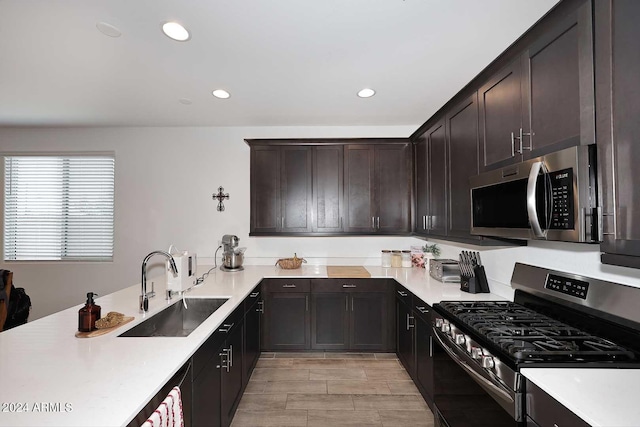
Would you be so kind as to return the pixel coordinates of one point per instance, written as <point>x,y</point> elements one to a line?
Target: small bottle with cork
<point>88,314</point>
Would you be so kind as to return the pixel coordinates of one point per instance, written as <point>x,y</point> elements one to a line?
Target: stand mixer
<point>232,255</point>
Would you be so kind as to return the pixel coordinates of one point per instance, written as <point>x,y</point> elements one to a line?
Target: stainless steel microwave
<point>551,197</point>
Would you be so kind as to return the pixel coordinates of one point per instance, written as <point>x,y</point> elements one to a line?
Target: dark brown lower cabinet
<point>231,373</point>
<point>252,332</point>
<point>207,394</point>
<point>368,321</point>
<point>287,319</point>
<point>329,321</point>
<point>404,334</point>
<point>423,351</point>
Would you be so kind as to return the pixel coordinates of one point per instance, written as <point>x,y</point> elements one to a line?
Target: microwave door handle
<point>531,199</point>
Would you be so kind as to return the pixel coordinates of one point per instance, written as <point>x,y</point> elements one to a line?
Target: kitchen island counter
<point>51,378</point>
<point>600,397</point>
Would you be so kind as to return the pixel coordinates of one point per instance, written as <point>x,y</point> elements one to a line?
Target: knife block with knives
<point>472,275</point>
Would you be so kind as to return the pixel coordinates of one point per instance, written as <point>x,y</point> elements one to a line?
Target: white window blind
<point>58,208</point>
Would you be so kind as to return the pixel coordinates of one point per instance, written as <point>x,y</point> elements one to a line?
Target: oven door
<point>465,395</point>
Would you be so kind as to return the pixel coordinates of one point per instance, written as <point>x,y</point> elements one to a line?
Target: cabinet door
<point>462,137</point>
<point>560,85</point>
<point>424,357</point>
<point>295,189</point>
<point>368,324</point>
<point>327,189</point>
<point>206,395</point>
<point>251,351</point>
<point>404,336</point>
<point>358,188</point>
<point>437,218</point>
<point>393,188</point>
<point>501,116</point>
<point>231,376</point>
<point>422,183</point>
<point>618,109</point>
<point>287,321</point>
<point>330,320</point>
<point>265,189</point>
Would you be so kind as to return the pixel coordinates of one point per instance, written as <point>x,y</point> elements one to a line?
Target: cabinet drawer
<point>548,412</point>
<point>349,285</point>
<point>286,285</point>
<point>402,294</point>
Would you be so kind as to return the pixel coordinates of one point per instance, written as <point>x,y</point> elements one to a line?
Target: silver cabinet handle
<point>255,294</point>
<point>402,294</point>
<point>422,309</point>
<point>522,135</point>
<point>409,325</point>
<point>513,145</point>
<point>226,327</point>
<point>230,355</point>
<point>352,303</point>
<point>224,363</point>
<point>282,222</point>
<point>373,222</point>
<point>346,285</point>
<point>378,223</point>
<point>260,308</point>
<point>289,285</point>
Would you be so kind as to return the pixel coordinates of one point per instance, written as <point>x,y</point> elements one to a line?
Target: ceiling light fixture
<point>221,93</point>
<point>366,93</point>
<point>108,29</point>
<point>175,31</point>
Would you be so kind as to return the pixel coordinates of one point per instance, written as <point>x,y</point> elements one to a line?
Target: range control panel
<point>562,185</point>
<point>568,286</point>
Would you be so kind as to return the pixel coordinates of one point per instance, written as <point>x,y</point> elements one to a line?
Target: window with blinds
<point>58,208</point>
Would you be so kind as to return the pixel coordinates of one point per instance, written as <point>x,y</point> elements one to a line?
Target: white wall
<point>164,181</point>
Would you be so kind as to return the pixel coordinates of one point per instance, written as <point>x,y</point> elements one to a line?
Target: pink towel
<point>169,413</point>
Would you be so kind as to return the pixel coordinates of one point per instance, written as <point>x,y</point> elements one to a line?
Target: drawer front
<point>286,285</point>
<point>349,285</point>
<point>548,412</point>
<point>402,294</point>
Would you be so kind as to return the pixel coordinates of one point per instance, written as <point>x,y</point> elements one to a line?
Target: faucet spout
<point>144,296</point>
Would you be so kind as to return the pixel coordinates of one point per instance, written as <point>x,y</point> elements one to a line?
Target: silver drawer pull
<point>402,294</point>
<point>255,294</point>
<point>422,309</point>
<point>226,328</point>
<point>289,286</point>
<point>348,286</point>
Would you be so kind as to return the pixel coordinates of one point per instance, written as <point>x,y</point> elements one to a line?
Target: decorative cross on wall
<point>220,197</point>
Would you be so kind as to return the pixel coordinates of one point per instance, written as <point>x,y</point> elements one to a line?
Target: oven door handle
<point>495,389</point>
<point>532,185</point>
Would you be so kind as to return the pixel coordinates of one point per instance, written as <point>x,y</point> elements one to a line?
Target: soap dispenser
<point>88,314</point>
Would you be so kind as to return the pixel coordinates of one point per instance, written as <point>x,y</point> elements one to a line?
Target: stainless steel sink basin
<point>175,320</point>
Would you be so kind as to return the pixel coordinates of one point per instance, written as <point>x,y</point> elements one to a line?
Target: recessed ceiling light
<point>108,29</point>
<point>366,93</point>
<point>185,101</point>
<point>175,31</point>
<point>220,93</point>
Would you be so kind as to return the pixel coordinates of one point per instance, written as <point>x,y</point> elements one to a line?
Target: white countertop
<point>106,380</point>
<point>601,397</point>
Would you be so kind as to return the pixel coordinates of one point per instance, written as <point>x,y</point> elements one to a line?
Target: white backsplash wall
<point>165,178</point>
<point>577,258</point>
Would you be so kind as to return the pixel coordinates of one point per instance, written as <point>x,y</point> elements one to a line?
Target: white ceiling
<point>285,62</point>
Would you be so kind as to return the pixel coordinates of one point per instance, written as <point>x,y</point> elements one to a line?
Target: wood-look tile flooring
<point>331,389</point>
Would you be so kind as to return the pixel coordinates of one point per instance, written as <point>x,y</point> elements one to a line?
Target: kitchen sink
<point>175,320</point>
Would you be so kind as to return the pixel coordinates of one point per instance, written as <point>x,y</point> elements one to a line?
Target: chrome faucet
<point>144,297</point>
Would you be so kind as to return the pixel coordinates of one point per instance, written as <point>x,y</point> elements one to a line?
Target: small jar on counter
<point>385,260</point>
<point>396,259</point>
<point>406,259</point>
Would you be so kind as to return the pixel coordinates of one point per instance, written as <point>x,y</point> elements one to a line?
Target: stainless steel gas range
<point>557,319</point>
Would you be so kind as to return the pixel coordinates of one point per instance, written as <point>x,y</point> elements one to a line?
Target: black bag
<point>18,308</point>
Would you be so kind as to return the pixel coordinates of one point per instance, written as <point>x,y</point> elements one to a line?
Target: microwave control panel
<point>562,185</point>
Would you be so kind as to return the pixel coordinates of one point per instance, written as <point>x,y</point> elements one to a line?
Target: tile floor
<point>331,389</point>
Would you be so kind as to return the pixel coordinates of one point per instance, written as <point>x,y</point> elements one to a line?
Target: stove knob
<point>476,353</point>
<point>438,322</point>
<point>445,326</point>
<point>487,362</point>
<point>460,340</point>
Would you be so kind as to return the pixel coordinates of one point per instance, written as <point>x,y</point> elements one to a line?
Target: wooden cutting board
<point>347,272</point>
<point>99,332</point>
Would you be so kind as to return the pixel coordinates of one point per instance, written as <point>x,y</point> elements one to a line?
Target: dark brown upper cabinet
<point>330,187</point>
<point>618,108</point>
<point>431,181</point>
<point>462,144</point>
<point>281,189</point>
<point>377,188</point>
<point>542,100</point>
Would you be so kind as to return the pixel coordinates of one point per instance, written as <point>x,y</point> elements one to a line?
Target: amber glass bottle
<point>88,314</point>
